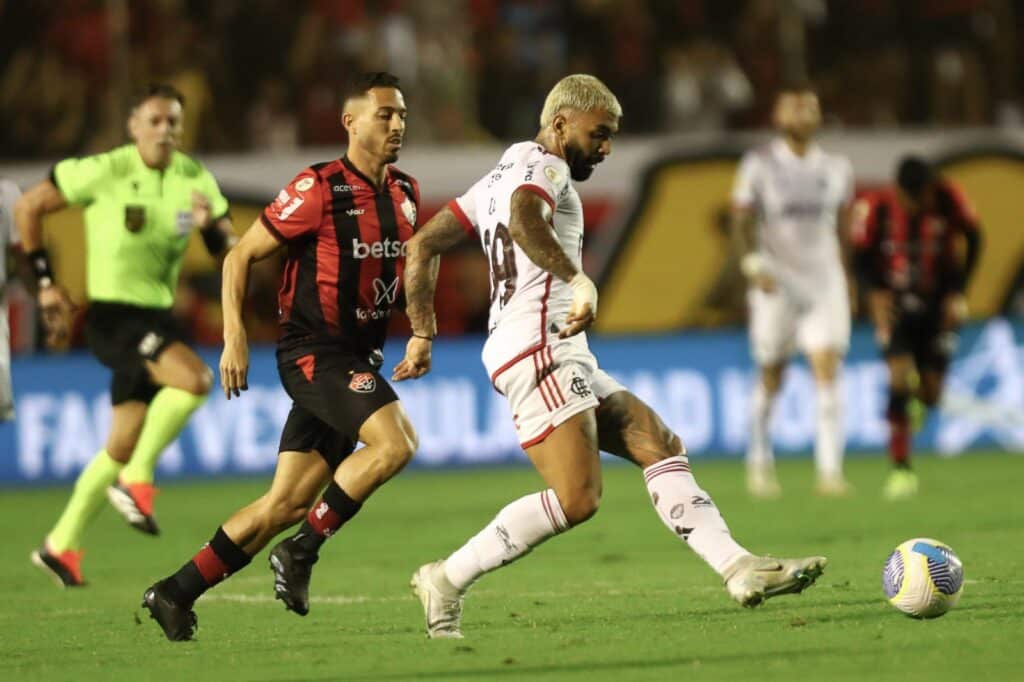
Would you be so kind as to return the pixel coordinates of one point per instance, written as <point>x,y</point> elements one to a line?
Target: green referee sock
<point>86,499</point>
<point>165,419</point>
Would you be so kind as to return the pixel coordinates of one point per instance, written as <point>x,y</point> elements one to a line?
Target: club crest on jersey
<point>362,382</point>
<point>134,217</point>
<point>409,210</point>
<point>553,174</point>
<point>304,184</point>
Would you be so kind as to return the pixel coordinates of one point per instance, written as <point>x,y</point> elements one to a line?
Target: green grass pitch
<point>618,599</point>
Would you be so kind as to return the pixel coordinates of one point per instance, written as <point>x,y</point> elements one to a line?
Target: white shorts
<point>781,323</point>
<point>546,388</point>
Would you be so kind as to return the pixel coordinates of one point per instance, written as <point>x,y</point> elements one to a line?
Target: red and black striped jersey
<point>346,253</point>
<point>920,253</point>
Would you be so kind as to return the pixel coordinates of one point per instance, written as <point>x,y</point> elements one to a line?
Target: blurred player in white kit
<point>9,193</point>
<point>790,219</point>
<point>528,217</point>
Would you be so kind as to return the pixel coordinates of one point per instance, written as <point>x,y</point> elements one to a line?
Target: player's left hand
<point>954,311</point>
<point>583,310</point>
<point>200,210</point>
<point>416,362</point>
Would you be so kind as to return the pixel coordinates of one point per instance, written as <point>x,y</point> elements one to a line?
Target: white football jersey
<point>9,193</point>
<point>528,304</point>
<point>796,200</point>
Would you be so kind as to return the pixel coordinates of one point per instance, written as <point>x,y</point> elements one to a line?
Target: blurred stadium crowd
<point>261,73</point>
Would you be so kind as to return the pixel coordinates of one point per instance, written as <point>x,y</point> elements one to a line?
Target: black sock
<point>219,558</point>
<point>333,510</point>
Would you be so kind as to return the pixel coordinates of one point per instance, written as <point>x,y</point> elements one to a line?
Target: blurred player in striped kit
<point>917,246</point>
<point>797,196</point>
<point>9,193</point>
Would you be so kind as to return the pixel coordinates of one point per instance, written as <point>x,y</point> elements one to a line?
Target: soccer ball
<point>923,578</point>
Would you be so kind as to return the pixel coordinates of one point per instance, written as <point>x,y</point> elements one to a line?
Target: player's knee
<point>393,454</point>
<point>120,449</point>
<point>580,505</point>
<point>771,380</point>
<point>199,382</point>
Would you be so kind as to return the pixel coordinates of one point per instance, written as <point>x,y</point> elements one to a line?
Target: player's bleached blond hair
<point>581,92</point>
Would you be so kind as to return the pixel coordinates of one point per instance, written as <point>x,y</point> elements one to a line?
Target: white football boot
<point>442,601</point>
<point>753,579</point>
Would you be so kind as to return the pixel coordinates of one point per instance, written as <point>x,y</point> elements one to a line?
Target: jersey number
<point>503,263</point>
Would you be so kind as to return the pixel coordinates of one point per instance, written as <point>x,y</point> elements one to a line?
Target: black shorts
<point>123,337</point>
<point>334,392</point>
<point>920,334</point>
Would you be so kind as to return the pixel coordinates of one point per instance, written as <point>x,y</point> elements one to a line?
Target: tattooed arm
<point>422,261</point>
<point>530,227</point>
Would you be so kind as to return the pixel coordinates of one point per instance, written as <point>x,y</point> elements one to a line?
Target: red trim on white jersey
<point>543,333</point>
<point>539,191</point>
<point>467,224</point>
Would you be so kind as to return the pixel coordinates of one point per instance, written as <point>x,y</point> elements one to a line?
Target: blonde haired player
<point>798,197</point>
<point>528,217</point>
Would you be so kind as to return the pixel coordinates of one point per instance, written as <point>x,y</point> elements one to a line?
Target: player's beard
<point>580,165</point>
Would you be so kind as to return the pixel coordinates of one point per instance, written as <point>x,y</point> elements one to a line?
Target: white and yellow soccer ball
<point>923,578</point>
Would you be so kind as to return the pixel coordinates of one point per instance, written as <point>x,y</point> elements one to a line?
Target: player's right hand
<point>57,311</point>
<point>757,271</point>
<point>583,310</point>
<point>416,362</point>
<point>234,366</point>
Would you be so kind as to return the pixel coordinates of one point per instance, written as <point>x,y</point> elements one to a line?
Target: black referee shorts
<point>123,337</point>
<point>334,392</point>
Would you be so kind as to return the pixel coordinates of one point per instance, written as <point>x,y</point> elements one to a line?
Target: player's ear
<point>347,120</point>
<point>131,126</point>
<point>560,123</point>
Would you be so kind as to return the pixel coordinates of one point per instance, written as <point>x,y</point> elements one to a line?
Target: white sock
<point>830,441</point>
<point>518,528</point>
<point>689,512</point>
<point>759,449</point>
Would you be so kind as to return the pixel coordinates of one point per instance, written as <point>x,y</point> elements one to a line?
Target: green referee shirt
<point>137,221</point>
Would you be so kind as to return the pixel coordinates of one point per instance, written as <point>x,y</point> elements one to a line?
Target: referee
<point>141,203</point>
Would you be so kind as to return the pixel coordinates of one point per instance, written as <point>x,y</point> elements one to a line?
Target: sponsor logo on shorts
<point>363,382</point>
<point>321,510</point>
<point>149,343</point>
<point>700,501</point>
<point>579,387</point>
